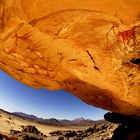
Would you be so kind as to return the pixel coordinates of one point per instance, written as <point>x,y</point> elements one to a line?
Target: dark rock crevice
<point>95,67</point>
<point>136,61</point>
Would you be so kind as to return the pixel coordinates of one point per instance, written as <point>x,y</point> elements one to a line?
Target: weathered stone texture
<point>89,48</point>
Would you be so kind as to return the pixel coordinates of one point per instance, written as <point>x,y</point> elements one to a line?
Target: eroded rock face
<point>89,48</point>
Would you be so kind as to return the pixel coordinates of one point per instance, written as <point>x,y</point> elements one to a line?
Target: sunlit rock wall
<point>89,48</point>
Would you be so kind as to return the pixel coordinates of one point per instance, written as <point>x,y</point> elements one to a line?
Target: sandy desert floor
<point>12,126</point>
<point>9,121</point>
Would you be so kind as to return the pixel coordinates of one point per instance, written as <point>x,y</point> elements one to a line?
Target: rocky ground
<point>97,132</point>
<point>28,132</point>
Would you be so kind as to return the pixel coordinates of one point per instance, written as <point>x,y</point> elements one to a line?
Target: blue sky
<point>16,97</point>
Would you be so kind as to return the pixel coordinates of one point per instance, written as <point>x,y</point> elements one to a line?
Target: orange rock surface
<point>90,48</point>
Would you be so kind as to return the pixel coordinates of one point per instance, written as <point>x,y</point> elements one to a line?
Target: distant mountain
<point>51,121</point>
<point>82,121</point>
<point>78,120</point>
<point>54,121</point>
<point>24,115</point>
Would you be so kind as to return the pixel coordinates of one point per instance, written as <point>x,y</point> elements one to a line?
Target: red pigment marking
<point>129,34</point>
<point>111,29</point>
<point>114,26</point>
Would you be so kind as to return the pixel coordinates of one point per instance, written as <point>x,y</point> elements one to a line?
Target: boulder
<point>88,48</point>
<point>28,133</point>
